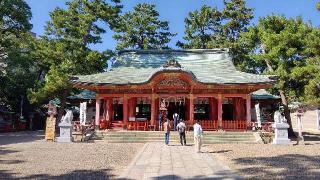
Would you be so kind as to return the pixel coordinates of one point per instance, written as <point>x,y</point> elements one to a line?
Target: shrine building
<point>197,84</point>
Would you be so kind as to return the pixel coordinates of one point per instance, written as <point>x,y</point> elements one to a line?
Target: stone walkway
<point>158,161</point>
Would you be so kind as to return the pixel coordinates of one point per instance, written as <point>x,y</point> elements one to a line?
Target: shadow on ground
<point>311,136</point>
<point>20,137</point>
<point>218,176</point>
<point>77,174</point>
<point>288,166</point>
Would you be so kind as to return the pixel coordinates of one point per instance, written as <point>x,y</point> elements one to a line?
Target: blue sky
<point>175,11</point>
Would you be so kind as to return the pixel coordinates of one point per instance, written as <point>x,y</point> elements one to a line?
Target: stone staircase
<point>156,136</point>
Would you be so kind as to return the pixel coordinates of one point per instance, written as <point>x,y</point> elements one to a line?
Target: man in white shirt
<point>197,134</point>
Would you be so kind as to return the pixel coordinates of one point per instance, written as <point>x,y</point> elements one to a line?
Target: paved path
<point>158,161</point>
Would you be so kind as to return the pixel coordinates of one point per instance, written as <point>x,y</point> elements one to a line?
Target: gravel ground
<point>268,161</point>
<point>35,158</point>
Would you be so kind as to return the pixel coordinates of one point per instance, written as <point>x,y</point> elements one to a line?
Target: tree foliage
<point>16,63</point>
<point>289,49</point>
<point>65,50</point>
<point>142,29</point>
<point>15,16</point>
<point>203,29</point>
<point>211,28</point>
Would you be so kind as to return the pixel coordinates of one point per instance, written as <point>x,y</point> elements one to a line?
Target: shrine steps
<point>156,136</point>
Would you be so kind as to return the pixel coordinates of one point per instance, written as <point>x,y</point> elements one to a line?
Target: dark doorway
<point>143,111</point>
<point>227,110</point>
<point>179,108</point>
<point>118,112</point>
<point>201,111</point>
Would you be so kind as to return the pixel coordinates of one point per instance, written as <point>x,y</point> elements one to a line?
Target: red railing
<point>211,125</point>
<point>234,124</point>
<point>138,125</point>
<point>208,125</point>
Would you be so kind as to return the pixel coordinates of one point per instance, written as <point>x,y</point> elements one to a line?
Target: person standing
<point>197,134</point>
<point>175,120</point>
<point>166,128</point>
<point>160,116</point>
<point>182,132</point>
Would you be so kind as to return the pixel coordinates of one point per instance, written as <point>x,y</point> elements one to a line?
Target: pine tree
<point>288,50</point>
<point>203,29</point>
<point>210,28</point>
<point>65,50</point>
<point>142,29</point>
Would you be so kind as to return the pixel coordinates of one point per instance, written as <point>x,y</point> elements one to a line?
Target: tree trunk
<point>287,113</point>
<point>63,105</point>
<point>86,36</point>
<point>284,102</point>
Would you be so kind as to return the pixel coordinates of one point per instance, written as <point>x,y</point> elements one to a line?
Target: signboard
<point>50,128</point>
<point>83,113</point>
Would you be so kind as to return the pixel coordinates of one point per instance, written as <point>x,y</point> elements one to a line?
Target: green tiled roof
<point>263,94</point>
<point>84,94</point>
<point>206,66</point>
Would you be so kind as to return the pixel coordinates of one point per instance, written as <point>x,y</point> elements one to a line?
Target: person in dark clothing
<point>182,132</point>
<point>160,117</point>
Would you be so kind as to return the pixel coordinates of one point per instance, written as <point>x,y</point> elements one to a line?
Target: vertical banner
<point>258,114</point>
<point>83,113</point>
<point>50,128</point>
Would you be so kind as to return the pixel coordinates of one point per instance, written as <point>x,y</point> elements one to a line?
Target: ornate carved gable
<point>172,82</point>
<point>172,63</point>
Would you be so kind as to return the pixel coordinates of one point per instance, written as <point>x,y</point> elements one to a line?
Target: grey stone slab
<point>165,162</point>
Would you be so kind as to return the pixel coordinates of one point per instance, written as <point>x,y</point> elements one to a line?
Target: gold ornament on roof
<point>172,63</point>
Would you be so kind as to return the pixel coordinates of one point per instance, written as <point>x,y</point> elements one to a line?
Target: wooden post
<point>219,110</point>
<point>248,105</point>
<point>98,103</point>
<point>125,111</point>
<point>153,109</point>
<point>191,106</point>
<point>211,112</point>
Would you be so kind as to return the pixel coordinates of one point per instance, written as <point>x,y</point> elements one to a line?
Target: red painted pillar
<point>213,109</point>
<point>191,109</point>
<point>248,110</point>
<point>153,109</point>
<point>220,110</point>
<point>98,103</point>
<point>125,111</point>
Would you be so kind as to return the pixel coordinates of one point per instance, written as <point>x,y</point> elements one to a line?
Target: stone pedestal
<point>65,132</point>
<point>281,133</point>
